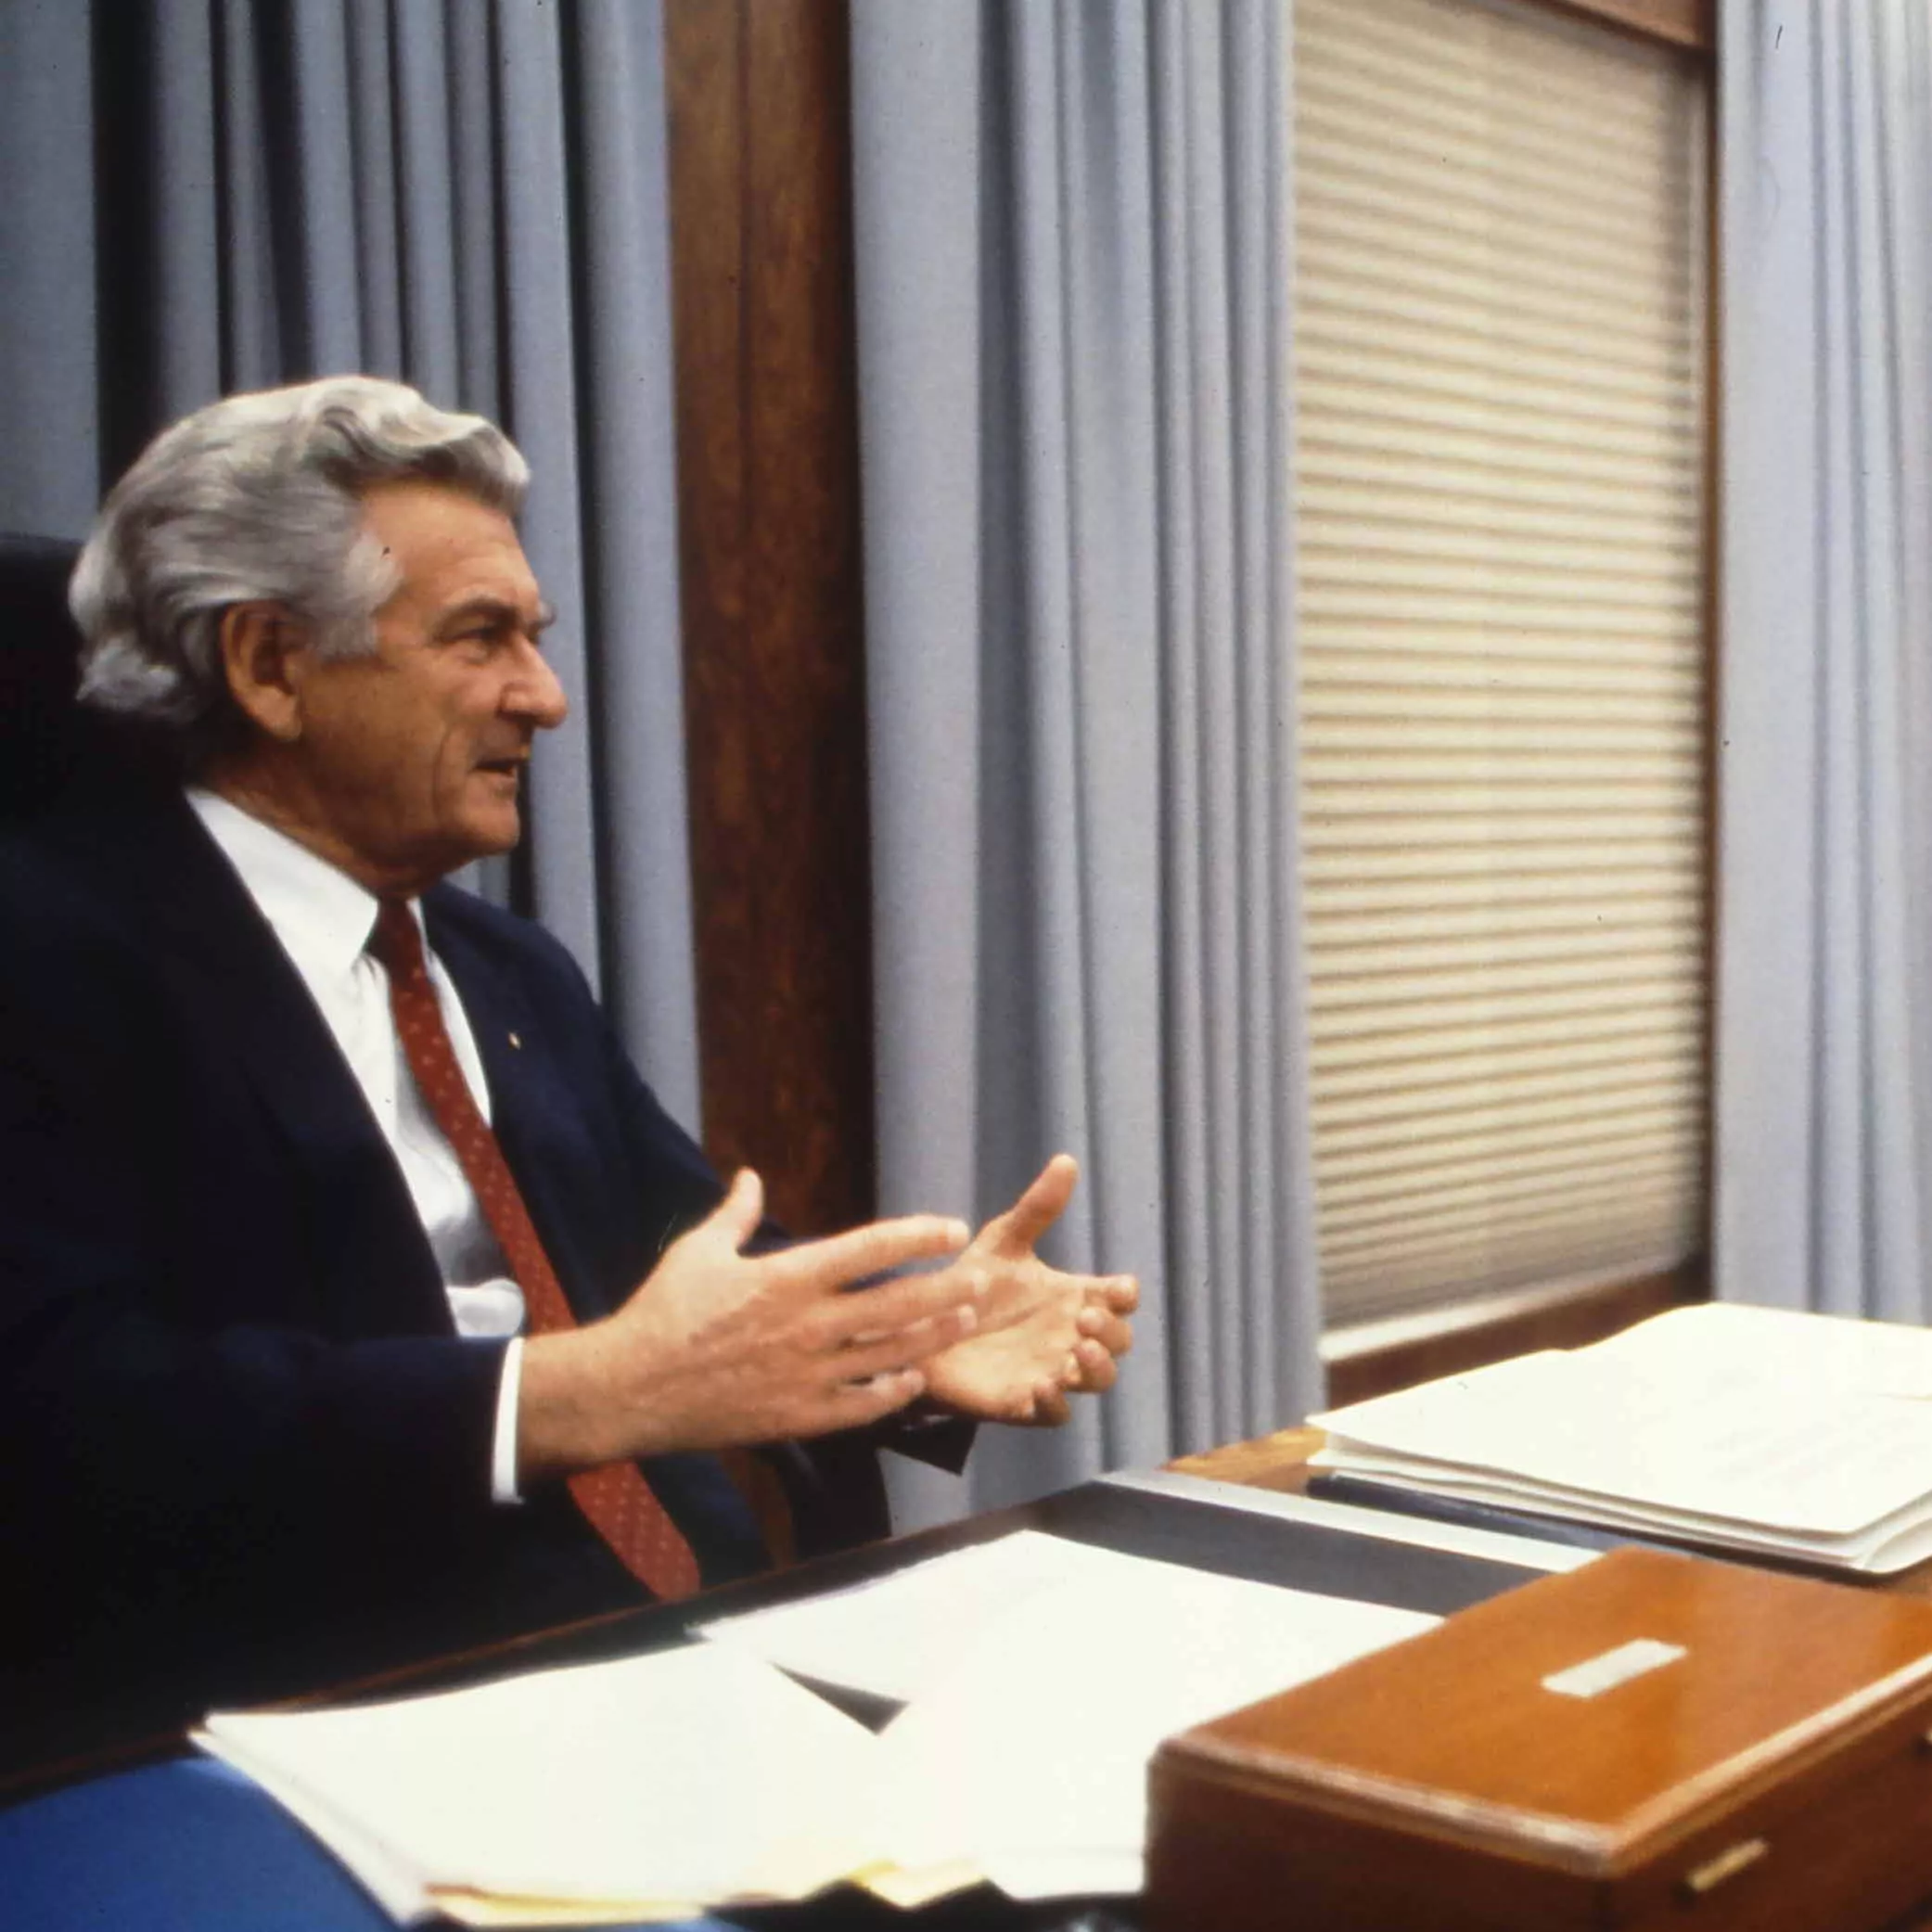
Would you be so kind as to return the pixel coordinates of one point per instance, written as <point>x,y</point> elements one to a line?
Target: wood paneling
<point>768,496</point>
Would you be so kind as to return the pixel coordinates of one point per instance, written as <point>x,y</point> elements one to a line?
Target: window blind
<point>1500,318</point>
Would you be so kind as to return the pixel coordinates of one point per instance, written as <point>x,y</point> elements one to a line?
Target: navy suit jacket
<point>242,1452</point>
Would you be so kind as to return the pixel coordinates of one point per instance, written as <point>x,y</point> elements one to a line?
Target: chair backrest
<point>42,730</point>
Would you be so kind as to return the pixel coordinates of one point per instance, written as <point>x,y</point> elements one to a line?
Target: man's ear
<point>265,655</point>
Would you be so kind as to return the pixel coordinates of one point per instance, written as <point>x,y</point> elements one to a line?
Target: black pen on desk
<point>1325,1486</point>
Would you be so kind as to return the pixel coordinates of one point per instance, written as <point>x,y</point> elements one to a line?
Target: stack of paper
<point>1043,1674</point>
<point>1748,1428</point>
<point>637,1789</point>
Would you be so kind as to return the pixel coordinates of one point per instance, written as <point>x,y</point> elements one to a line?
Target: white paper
<point>695,1773</point>
<point>1028,1756</point>
<point>1047,1672</point>
<point>1758,1429</point>
<point>1723,1346</point>
<point>898,1635</point>
<point>1068,1874</point>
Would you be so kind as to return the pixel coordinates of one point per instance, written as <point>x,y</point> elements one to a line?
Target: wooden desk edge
<point>1276,1461</point>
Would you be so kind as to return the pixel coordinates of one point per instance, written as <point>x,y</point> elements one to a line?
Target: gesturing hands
<point>719,1348</point>
<point>1041,1334</point>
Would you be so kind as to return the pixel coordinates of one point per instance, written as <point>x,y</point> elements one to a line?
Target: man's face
<point>413,755</point>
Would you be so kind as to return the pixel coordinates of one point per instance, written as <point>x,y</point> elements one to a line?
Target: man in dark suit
<point>305,1151</point>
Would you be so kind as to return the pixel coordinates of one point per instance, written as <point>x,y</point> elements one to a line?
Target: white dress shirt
<point>323,919</point>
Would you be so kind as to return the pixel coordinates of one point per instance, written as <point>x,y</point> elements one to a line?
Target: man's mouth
<point>510,768</point>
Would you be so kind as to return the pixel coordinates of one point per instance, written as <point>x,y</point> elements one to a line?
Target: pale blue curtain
<point>200,196</point>
<point>1072,234</point>
<point>1823,1067</point>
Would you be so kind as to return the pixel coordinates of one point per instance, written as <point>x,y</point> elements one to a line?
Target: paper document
<point>896,1637</point>
<point>1751,1428</point>
<point>657,1785</point>
<point>692,1774</point>
<point>1727,1346</point>
<point>1029,1755</point>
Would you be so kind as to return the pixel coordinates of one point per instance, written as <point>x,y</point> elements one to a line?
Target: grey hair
<point>258,498</point>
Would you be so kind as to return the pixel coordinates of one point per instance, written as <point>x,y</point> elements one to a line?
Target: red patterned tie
<point>617,1500</point>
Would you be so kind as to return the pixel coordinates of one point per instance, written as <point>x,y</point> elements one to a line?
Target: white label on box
<point>1597,1674</point>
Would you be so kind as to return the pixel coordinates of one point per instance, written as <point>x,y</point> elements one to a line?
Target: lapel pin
<point>515,1041</point>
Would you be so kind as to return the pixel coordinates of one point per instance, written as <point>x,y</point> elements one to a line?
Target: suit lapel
<point>498,1015</point>
<point>228,969</point>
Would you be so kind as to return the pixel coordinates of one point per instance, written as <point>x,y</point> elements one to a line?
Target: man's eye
<point>482,640</point>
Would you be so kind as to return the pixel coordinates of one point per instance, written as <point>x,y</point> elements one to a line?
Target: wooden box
<point>1759,1761</point>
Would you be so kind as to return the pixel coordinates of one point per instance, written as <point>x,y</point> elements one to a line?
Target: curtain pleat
<point>1073,285</point>
<point>1823,1065</point>
<point>50,421</point>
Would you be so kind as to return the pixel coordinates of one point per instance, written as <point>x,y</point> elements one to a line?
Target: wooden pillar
<point>774,671</point>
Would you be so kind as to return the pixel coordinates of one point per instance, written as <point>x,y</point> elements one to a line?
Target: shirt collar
<point>322,916</point>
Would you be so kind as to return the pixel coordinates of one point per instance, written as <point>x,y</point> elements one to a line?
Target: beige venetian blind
<point>1499,359</point>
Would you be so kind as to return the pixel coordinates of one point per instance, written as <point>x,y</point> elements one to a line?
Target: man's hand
<point>718,1348</point>
<point>1041,1334</point>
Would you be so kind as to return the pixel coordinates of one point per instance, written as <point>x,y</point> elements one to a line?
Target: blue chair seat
<point>188,1846</point>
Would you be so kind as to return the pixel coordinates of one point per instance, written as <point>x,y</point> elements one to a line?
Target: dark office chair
<point>42,733</point>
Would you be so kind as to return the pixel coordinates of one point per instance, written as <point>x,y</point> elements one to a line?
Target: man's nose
<point>536,693</point>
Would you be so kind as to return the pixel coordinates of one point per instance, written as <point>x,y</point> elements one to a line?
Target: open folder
<point>1787,1434</point>
<point>1045,1673</point>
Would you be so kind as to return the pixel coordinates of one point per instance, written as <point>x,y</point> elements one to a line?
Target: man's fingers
<point>1095,1370</point>
<point>877,1396</point>
<point>945,1301</point>
<point>873,1355</point>
<point>736,1217</point>
<point>1120,1292</point>
<point>841,1260</point>
<point>1113,1333</point>
<point>1050,1406</point>
<point>1041,1205</point>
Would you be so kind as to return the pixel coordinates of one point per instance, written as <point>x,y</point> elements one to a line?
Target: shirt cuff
<point>503,1456</point>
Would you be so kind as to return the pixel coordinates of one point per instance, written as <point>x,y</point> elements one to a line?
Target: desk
<point>175,1826</point>
<point>157,1855</point>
